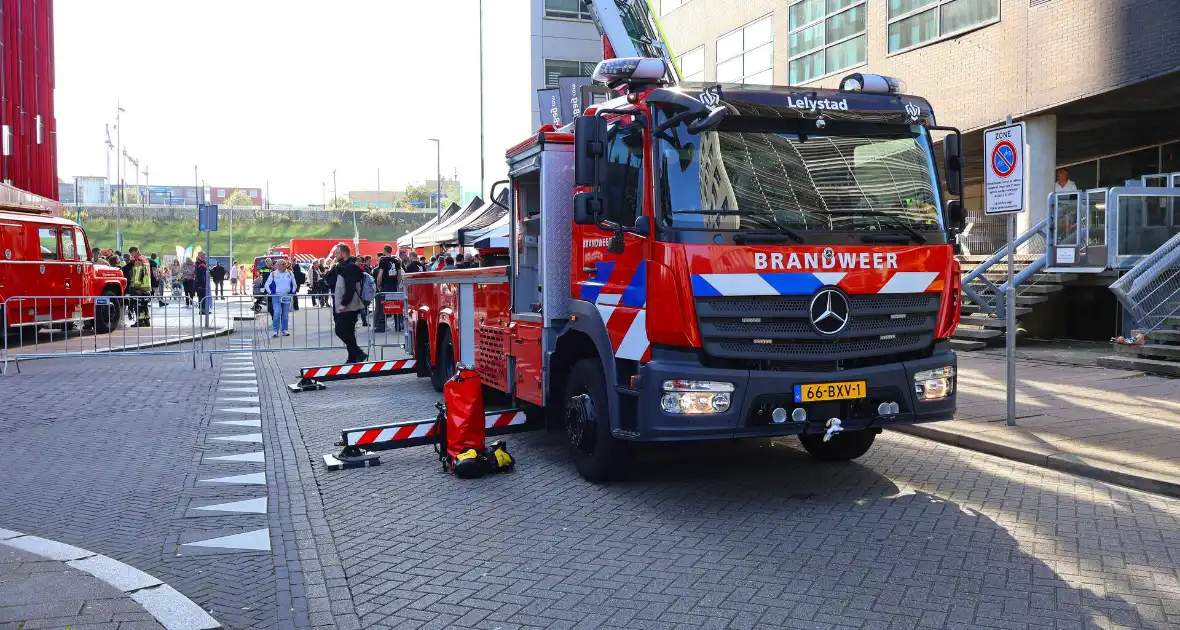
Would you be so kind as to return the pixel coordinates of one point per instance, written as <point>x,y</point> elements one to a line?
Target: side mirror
<point>642,226</point>
<point>590,138</point>
<point>953,157</point>
<point>956,216</point>
<point>708,122</point>
<point>586,208</point>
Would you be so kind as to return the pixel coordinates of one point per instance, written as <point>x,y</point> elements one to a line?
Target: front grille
<point>777,329</point>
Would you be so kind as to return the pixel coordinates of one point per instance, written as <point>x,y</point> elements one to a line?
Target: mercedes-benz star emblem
<point>829,312</point>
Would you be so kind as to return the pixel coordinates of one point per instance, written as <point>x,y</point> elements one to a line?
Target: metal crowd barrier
<point>44,326</point>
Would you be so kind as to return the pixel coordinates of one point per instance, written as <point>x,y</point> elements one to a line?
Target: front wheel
<point>597,455</point>
<point>108,317</point>
<point>841,448</point>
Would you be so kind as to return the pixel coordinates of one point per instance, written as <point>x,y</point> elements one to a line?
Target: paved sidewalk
<point>40,593</point>
<point>1117,426</point>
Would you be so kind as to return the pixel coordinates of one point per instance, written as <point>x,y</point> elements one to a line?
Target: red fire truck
<point>696,262</point>
<point>44,257</point>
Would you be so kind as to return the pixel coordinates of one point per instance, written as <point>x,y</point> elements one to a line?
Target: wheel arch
<point>584,337</point>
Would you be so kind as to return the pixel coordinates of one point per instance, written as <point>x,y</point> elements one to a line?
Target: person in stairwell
<point>282,287</point>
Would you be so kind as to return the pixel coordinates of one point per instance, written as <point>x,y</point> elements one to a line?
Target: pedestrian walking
<point>140,286</point>
<point>217,274</point>
<point>201,282</point>
<point>388,276</point>
<point>188,279</point>
<point>282,287</point>
<point>346,300</point>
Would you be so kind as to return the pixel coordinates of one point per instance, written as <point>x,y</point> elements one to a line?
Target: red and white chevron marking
<point>425,428</point>
<point>508,419</point>
<point>375,367</point>
<point>361,437</point>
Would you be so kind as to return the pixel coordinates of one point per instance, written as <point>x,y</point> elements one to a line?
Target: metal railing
<point>42,326</point>
<point>1032,250</point>
<point>1150,291</point>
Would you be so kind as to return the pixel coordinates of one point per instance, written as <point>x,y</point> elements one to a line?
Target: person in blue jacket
<point>282,287</point>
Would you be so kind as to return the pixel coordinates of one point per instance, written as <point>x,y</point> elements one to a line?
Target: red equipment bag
<point>464,432</point>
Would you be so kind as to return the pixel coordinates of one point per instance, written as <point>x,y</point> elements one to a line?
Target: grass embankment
<point>251,238</point>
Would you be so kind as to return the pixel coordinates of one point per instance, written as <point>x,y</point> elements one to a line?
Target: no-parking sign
<point>1004,169</point>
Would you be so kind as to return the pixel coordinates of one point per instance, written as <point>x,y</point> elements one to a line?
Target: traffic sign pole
<point>1004,194</point>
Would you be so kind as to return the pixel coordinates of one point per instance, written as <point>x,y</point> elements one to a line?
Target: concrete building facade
<point>1096,81</point>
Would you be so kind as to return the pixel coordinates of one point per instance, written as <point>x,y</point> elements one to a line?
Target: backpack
<point>369,289</point>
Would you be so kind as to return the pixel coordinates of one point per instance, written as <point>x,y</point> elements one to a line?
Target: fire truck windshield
<point>789,176</point>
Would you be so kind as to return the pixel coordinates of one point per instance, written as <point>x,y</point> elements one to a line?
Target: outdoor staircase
<point>1159,355</point>
<point>977,329</point>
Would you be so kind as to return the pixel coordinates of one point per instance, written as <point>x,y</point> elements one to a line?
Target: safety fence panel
<point>1150,291</point>
<point>388,333</point>
<point>46,326</point>
<point>309,324</point>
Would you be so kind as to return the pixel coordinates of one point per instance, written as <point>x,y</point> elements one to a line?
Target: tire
<point>842,447</point>
<point>441,373</point>
<point>597,455</point>
<point>108,318</point>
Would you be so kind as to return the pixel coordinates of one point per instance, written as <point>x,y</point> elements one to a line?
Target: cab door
<point>73,280</point>
<point>617,283</point>
<point>49,279</point>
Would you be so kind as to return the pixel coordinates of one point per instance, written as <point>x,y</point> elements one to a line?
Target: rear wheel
<point>597,455</point>
<point>841,448</point>
<point>445,366</point>
<point>107,317</point>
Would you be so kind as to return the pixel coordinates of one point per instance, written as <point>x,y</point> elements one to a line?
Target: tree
<point>339,203</point>
<point>237,199</point>
<point>416,194</point>
<point>130,196</point>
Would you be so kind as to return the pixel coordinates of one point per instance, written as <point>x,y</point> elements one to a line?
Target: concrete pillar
<point>1040,162</point>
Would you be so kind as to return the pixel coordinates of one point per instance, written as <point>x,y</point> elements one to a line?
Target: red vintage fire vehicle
<point>696,262</point>
<point>44,257</point>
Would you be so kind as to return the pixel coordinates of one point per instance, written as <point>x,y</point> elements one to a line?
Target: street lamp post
<point>119,178</point>
<point>438,176</point>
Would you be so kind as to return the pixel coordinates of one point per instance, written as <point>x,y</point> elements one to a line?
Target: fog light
<point>696,397</point>
<point>935,384</point>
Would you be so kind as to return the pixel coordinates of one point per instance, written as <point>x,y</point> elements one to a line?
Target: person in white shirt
<point>1063,182</point>
<point>234,274</point>
<point>281,286</point>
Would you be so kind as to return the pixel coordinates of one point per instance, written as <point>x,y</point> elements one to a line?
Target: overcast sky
<point>257,91</point>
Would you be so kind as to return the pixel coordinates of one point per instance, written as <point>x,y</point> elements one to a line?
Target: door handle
<point>590,269</point>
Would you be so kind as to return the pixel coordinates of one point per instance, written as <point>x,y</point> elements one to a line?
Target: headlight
<point>696,397</point>
<point>935,384</point>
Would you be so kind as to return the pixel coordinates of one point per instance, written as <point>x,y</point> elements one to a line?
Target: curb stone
<point>165,604</point>
<point>1061,462</point>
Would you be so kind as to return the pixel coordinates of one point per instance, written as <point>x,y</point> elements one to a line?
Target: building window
<point>916,22</point>
<point>253,194</point>
<point>747,54</point>
<point>667,6</point>
<point>560,68</point>
<point>567,10</point>
<point>692,65</point>
<point>221,193</point>
<point>826,36</point>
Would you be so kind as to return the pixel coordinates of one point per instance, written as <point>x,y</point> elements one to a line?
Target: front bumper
<point>757,393</point>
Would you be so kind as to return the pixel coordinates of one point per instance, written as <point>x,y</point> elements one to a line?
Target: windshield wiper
<point>769,219</point>
<point>897,223</point>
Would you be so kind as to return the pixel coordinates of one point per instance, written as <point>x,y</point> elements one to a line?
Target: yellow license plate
<point>816,392</point>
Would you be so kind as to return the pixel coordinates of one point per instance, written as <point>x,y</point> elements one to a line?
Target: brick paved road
<point>746,535</point>
<point>106,454</point>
